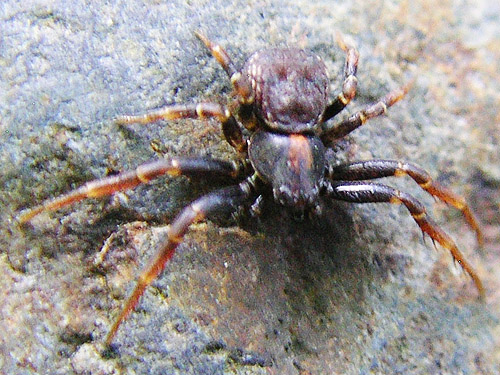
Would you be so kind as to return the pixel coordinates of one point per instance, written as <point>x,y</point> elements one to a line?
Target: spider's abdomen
<point>294,164</point>
<point>290,86</point>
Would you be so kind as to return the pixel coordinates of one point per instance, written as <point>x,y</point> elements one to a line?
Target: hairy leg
<point>364,192</point>
<point>130,179</point>
<point>371,169</point>
<point>350,82</point>
<point>229,198</point>
<point>239,81</point>
<point>343,128</point>
<point>230,127</point>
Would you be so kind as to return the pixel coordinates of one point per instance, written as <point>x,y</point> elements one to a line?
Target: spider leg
<point>130,179</point>
<point>353,122</point>
<point>370,169</point>
<point>221,200</point>
<point>239,81</point>
<point>363,192</point>
<point>230,127</point>
<point>350,81</point>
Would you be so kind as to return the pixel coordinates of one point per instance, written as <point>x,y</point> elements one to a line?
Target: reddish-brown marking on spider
<point>300,153</point>
<point>281,96</point>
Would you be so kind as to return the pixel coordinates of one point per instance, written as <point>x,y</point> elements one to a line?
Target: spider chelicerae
<point>281,97</point>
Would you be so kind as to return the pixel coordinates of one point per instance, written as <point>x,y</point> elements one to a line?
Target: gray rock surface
<point>354,292</point>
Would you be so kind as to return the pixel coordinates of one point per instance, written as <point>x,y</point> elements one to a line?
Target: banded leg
<point>230,127</point>
<point>222,200</point>
<point>350,82</point>
<point>240,82</point>
<point>362,192</point>
<point>367,170</point>
<point>128,180</point>
<point>359,118</point>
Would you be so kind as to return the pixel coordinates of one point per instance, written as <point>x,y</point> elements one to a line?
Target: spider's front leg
<point>371,169</point>
<point>128,180</point>
<point>363,192</point>
<point>227,199</point>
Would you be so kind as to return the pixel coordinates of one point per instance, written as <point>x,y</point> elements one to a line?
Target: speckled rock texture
<point>356,291</point>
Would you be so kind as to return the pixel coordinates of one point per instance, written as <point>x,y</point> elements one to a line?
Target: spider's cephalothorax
<point>282,99</point>
<point>293,164</point>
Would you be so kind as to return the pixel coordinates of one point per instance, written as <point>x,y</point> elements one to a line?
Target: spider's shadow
<point>323,256</point>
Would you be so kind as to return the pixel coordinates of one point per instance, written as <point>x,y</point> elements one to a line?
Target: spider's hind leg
<point>230,127</point>
<point>239,81</point>
<point>349,85</point>
<point>353,122</point>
